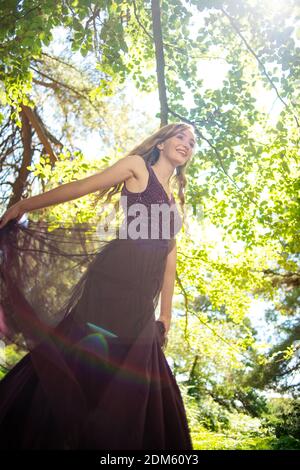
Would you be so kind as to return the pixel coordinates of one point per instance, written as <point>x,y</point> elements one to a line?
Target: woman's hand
<point>166,321</point>
<point>16,211</point>
<point>164,326</point>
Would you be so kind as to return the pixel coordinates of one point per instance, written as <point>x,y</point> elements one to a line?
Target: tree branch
<point>20,182</point>
<point>160,60</point>
<point>235,27</point>
<point>40,130</point>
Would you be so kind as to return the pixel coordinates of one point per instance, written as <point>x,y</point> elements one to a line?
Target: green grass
<point>208,440</point>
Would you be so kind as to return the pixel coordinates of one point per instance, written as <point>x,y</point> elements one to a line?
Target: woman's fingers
<point>13,212</point>
<point>3,221</point>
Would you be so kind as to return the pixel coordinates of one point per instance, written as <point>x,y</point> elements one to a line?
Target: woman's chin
<point>180,161</point>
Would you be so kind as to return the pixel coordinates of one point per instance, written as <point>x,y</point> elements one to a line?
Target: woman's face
<point>179,148</point>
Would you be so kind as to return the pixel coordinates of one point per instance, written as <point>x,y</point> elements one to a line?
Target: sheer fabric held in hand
<point>94,374</point>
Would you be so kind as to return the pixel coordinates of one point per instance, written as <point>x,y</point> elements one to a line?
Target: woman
<point>95,375</point>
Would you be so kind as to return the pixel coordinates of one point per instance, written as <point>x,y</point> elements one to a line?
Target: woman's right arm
<point>115,174</point>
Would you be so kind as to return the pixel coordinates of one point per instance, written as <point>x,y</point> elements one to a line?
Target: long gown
<point>97,377</point>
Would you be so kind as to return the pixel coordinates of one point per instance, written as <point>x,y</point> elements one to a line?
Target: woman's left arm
<point>168,288</point>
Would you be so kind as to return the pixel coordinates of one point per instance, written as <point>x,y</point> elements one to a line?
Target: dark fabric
<point>94,375</point>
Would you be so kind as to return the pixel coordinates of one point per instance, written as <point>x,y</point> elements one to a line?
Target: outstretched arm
<point>168,288</point>
<point>115,174</point>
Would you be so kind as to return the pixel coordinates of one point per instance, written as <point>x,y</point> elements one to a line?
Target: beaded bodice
<point>150,212</point>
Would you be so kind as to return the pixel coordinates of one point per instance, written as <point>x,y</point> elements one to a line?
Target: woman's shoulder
<point>139,180</point>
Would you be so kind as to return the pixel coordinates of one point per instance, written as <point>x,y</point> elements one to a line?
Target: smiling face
<point>179,148</point>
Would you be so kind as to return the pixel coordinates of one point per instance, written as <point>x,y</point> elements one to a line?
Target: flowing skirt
<point>95,375</point>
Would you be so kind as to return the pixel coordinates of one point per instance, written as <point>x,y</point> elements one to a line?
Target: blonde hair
<point>148,150</point>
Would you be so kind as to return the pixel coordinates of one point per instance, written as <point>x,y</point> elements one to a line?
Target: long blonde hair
<point>148,150</point>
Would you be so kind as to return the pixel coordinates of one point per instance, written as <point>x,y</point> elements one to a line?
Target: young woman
<point>96,377</point>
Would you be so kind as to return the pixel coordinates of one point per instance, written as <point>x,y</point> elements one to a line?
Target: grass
<point>208,440</point>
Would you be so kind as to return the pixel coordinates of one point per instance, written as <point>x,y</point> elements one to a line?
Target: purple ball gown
<point>94,374</point>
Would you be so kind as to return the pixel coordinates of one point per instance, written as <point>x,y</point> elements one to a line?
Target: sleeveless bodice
<point>150,213</point>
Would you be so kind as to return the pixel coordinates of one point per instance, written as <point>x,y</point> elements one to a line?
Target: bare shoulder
<point>139,178</point>
<point>138,165</point>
